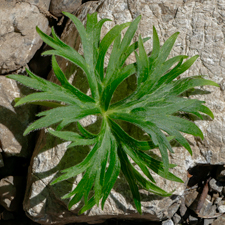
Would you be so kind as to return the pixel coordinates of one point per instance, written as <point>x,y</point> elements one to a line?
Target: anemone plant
<point>154,107</point>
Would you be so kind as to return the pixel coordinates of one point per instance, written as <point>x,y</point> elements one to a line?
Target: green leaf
<point>128,173</point>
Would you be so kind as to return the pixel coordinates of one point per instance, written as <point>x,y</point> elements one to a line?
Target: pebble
<point>176,219</point>
<point>168,222</point>
<point>208,221</point>
<point>215,185</point>
<point>221,209</point>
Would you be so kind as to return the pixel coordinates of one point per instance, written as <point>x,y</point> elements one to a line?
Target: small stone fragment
<point>215,185</point>
<point>221,209</point>
<point>219,221</point>
<point>6,215</point>
<point>11,191</point>
<point>168,222</point>
<point>183,209</point>
<point>208,221</point>
<point>176,219</point>
<point>193,220</point>
<point>173,209</point>
<point>218,200</point>
<point>190,197</point>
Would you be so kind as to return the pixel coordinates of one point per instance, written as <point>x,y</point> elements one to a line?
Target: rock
<point>168,222</point>
<point>221,209</point>
<point>176,219</point>
<point>208,209</point>
<point>13,121</point>
<point>194,19</point>
<point>215,185</point>
<point>183,209</point>
<point>208,221</point>
<point>218,200</point>
<point>221,175</point>
<point>173,209</point>
<point>57,6</point>
<point>219,221</point>
<point>18,37</point>
<point>6,215</point>
<point>191,197</point>
<point>11,192</point>
<point>193,220</point>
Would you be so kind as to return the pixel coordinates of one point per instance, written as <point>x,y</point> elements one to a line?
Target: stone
<point>173,209</point>
<point>221,175</point>
<point>18,37</point>
<point>6,215</point>
<point>208,209</point>
<point>176,219</point>
<point>57,6</point>
<point>218,200</point>
<point>208,221</point>
<point>13,121</point>
<point>215,185</point>
<point>219,221</point>
<point>201,33</point>
<point>168,222</point>
<point>221,209</point>
<point>193,220</point>
<point>11,192</point>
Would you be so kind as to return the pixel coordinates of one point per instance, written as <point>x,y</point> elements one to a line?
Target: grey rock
<point>18,37</point>
<point>13,121</point>
<point>192,220</point>
<point>208,221</point>
<point>168,222</point>
<point>208,209</point>
<point>191,197</point>
<point>57,6</point>
<point>176,219</point>
<point>221,209</point>
<point>11,192</point>
<point>183,209</point>
<point>218,200</point>
<point>215,185</point>
<point>173,209</point>
<point>200,34</point>
<point>219,221</point>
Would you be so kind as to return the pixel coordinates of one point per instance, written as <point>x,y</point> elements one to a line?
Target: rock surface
<point>13,121</point>
<point>10,192</point>
<point>18,37</point>
<point>57,6</point>
<point>202,32</point>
